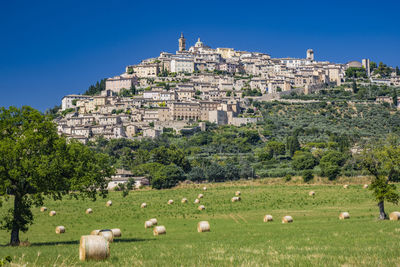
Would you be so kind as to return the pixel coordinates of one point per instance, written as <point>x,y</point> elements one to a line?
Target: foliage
<point>167,176</point>
<point>303,161</point>
<point>196,174</point>
<point>35,162</point>
<point>215,173</point>
<point>97,88</point>
<point>354,72</point>
<point>307,175</point>
<point>382,160</point>
<point>331,163</point>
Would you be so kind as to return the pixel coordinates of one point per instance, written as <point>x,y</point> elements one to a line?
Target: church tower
<point>182,43</point>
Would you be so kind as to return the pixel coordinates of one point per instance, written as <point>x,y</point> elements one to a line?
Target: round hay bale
<point>60,229</point>
<point>43,209</point>
<point>94,232</point>
<point>346,186</point>
<point>107,234</point>
<point>116,232</point>
<point>287,219</point>
<point>93,247</point>
<point>203,226</point>
<point>394,216</point>
<point>200,196</point>
<point>170,202</point>
<point>153,221</point>
<point>184,200</point>
<point>365,186</point>
<point>109,203</point>
<point>159,230</point>
<point>235,199</point>
<point>144,205</point>
<point>237,193</point>
<point>311,193</point>
<point>344,215</point>
<point>201,207</point>
<point>268,218</point>
<point>52,213</point>
<point>205,188</point>
<point>88,211</point>
<point>196,201</point>
<point>148,224</point>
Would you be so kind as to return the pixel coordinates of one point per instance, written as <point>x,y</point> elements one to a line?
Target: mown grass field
<point>238,236</point>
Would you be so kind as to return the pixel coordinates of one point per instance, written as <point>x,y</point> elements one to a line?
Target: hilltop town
<point>182,91</point>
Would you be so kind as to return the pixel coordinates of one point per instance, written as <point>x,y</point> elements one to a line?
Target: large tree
<point>35,162</point>
<point>382,161</point>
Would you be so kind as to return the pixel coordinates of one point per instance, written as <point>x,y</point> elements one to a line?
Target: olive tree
<point>36,163</point>
<point>382,161</point>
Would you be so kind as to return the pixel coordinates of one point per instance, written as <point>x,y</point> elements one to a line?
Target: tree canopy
<point>35,162</point>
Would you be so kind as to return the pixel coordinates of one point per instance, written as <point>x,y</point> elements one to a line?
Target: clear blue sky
<point>52,48</point>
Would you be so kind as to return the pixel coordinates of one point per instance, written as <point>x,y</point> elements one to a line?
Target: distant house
<point>122,176</point>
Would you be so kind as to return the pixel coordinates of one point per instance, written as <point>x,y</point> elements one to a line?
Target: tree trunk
<point>382,214</point>
<point>15,223</point>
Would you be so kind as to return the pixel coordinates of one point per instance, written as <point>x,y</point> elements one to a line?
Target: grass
<point>238,236</point>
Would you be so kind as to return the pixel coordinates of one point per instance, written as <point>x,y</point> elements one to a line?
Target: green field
<point>238,236</point>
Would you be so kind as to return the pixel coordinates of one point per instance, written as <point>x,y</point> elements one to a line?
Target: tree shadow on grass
<point>75,242</point>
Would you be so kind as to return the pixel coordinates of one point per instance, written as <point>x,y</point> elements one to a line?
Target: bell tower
<point>182,43</point>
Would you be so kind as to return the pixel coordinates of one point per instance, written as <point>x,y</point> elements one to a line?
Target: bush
<point>303,161</point>
<point>308,175</point>
<point>167,177</point>
<point>196,174</point>
<point>215,173</point>
<point>288,178</point>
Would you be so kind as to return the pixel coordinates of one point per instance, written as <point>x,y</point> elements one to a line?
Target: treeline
<point>96,88</point>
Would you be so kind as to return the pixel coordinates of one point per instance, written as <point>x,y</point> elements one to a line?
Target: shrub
<point>303,161</point>
<point>288,178</point>
<point>308,175</point>
<point>196,174</point>
<point>167,176</point>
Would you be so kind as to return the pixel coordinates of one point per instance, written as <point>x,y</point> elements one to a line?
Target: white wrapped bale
<point>287,219</point>
<point>159,230</point>
<point>203,226</point>
<point>268,218</point>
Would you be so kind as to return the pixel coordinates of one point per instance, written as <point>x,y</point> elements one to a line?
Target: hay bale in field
<point>365,186</point>
<point>154,221</point>
<point>109,203</point>
<point>205,188</point>
<point>184,200</point>
<point>344,215</point>
<point>311,193</point>
<point>107,234</point>
<point>196,201</point>
<point>159,230</point>
<point>268,218</point>
<point>346,186</point>
<point>88,211</point>
<point>394,216</point>
<point>52,213</point>
<point>148,224</point>
<point>203,226</point>
<point>43,209</point>
<point>235,199</point>
<point>144,205</point>
<point>201,207</point>
<point>237,193</point>
<point>94,232</point>
<point>170,202</point>
<point>93,247</point>
<point>287,219</point>
<point>60,229</point>
<point>200,196</point>
<point>116,232</point>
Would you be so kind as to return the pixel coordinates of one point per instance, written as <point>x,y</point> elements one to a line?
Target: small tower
<point>182,43</point>
<point>310,54</point>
